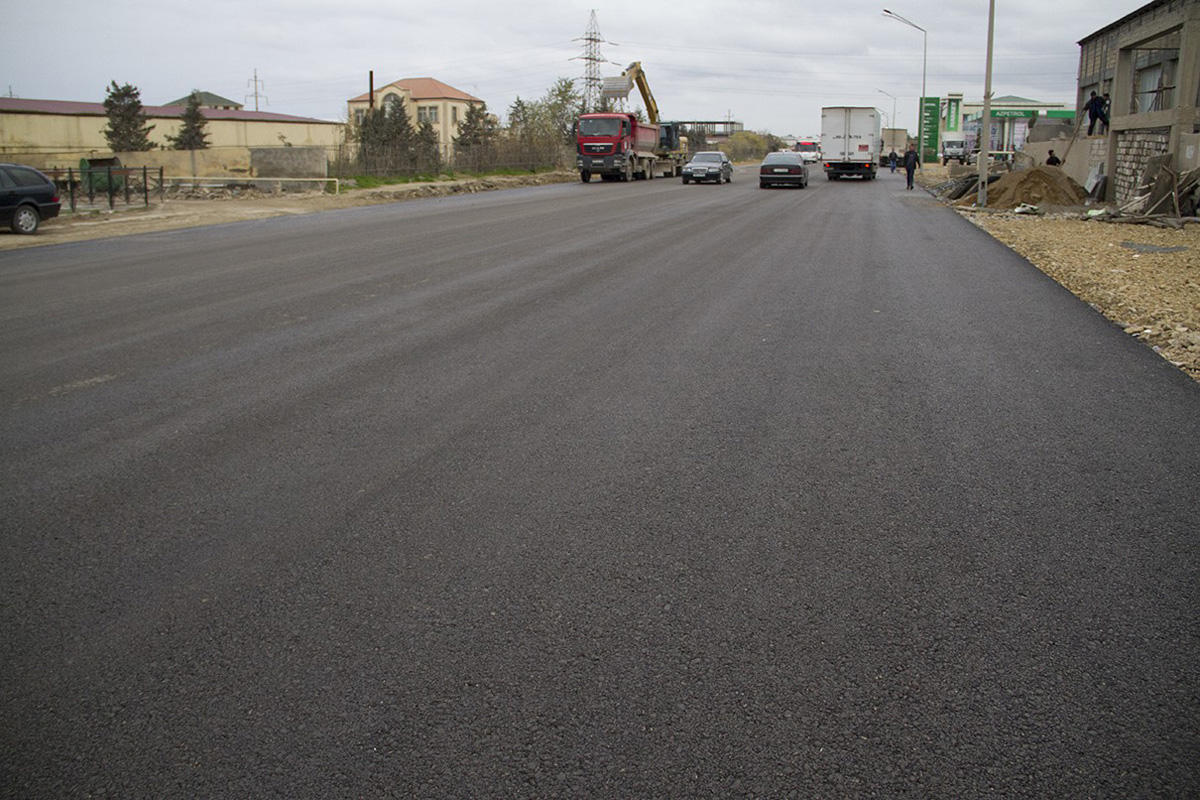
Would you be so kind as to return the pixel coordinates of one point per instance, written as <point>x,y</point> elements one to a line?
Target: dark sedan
<point>783,169</point>
<point>26,198</point>
<point>708,166</point>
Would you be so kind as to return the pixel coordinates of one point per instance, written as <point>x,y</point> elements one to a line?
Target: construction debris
<point>1040,186</point>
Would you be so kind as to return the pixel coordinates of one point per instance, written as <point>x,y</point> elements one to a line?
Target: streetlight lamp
<point>881,91</point>
<point>924,55</point>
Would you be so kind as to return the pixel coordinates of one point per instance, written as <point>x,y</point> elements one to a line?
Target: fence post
<point>110,188</point>
<point>125,172</point>
<point>91,184</point>
<point>162,186</point>
<point>145,186</point>
<point>71,186</point>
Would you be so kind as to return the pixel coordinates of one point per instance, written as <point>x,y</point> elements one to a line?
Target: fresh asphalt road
<point>606,490</point>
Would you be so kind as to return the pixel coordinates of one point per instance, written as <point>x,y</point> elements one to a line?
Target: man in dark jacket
<point>1095,111</point>
<point>912,162</point>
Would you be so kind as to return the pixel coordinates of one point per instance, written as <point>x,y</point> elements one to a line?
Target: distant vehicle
<point>709,165</point>
<point>809,150</point>
<point>783,169</point>
<point>954,150</point>
<point>850,141</point>
<point>894,139</point>
<point>26,198</point>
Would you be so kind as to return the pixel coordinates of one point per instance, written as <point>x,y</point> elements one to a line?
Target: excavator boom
<point>618,88</point>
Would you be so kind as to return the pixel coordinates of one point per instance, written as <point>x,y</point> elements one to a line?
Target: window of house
<point>454,114</point>
<point>358,116</point>
<point>390,99</point>
<point>427,114</point>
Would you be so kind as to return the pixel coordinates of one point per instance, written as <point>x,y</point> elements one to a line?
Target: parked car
<point>26,198</point>
<point>710,165</point>
<point>783,169</point>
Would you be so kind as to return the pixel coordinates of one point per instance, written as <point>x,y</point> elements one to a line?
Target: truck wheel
<point>584,175</point>
<point>686,180</point>
<point>650,170</point>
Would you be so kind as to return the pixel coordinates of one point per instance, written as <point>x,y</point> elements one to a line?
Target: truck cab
<point>614,146</point>
<point>954,150</point>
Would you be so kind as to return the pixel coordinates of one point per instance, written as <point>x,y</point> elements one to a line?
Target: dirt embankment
<point>188,208</point>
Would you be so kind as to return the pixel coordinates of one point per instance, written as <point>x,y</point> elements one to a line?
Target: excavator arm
<point>618,88</point>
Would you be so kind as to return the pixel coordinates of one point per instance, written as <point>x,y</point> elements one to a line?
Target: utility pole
<point>592,82</point>
<point>254,82</point>
<point>985,129</point>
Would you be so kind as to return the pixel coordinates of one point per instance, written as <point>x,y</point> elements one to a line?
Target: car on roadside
<point>27,197</point>
<point>783,169</point>
<point>708,165</point>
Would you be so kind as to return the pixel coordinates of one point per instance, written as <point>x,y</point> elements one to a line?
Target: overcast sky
<point>770,64</point>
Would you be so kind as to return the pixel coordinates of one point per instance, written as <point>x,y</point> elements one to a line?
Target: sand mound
<point>1038,186</point>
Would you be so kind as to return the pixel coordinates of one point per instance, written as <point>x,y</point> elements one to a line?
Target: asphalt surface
<point>616,490</point>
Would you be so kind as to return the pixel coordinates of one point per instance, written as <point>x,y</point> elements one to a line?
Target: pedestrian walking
<point>892,157</point>
<point>912,162</point>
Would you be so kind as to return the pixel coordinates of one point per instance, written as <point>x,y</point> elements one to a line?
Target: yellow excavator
<point>618,89</point>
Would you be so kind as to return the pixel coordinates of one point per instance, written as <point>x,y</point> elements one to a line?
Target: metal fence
<point>97,186</point>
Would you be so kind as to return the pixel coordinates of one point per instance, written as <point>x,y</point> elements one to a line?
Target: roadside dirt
<point>208,207</point>
<point>1147,280</point>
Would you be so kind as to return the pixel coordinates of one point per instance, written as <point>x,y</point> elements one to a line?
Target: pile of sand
<point>1048,186</point>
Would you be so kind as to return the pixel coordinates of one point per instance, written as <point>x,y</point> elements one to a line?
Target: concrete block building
<point>1148,62</point>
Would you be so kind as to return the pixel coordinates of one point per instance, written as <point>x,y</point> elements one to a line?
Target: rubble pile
<point>1040,186</point>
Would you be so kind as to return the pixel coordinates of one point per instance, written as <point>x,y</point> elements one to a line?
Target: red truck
<point>619,147</point>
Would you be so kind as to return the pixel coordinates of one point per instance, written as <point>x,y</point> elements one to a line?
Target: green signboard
<point>953,113</point>
<point>930,111</point>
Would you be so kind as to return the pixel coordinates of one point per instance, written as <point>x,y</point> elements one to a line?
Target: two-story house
<point>424,99</point>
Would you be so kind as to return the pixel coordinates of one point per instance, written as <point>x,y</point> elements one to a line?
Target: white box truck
<point>850,141</point>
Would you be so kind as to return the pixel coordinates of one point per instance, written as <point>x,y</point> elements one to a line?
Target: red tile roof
<point>72,108</point>
<point>423,89</point>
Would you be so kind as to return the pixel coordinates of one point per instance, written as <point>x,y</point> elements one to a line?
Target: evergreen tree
<point>520,119</point>
<point>386,140</point>
<point>127,130</point>
<point>475,145</point>
<point>428,153</point>
<point>191,134</point>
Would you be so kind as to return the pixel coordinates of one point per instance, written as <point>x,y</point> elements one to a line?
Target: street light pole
<point>924,62</point>
<point>881,91</point>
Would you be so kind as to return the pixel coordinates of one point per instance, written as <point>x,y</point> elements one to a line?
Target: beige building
<point>41,127</point>
<point>424,99</point>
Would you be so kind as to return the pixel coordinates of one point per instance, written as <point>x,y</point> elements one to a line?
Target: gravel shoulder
<point>1145,279</point>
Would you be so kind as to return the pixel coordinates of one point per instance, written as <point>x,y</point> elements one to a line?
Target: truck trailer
<point>850,141</point>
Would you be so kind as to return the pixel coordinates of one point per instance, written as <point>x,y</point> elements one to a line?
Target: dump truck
<point>850,141</point>
<point>618,146</point>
